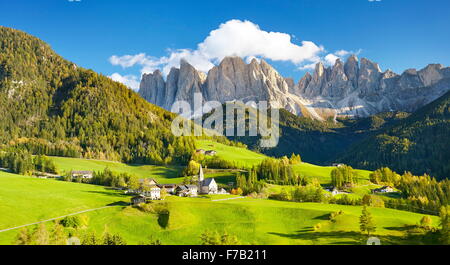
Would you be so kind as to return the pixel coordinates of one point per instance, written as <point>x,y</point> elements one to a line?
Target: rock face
<point>157,92</point>
<point>232,79</point>
<point>353,88</point>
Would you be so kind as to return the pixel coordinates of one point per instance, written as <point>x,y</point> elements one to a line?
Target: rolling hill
<point>253,221</point>
<point>419,143</point>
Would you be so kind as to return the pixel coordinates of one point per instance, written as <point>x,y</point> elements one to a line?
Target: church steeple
<point>201,177</point>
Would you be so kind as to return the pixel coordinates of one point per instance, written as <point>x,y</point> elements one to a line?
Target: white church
<point>206,186</point>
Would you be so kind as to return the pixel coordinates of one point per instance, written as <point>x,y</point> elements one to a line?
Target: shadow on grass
<point>323,217</point>
<point>163,171</point>
<point>119,203</point>
<point>393,195</point>
<point>308,229</point>
<point>163,219</point>
<point>108,193</point>
<point>403,229</point>
<point>224,179</point>
<point>348,237</point>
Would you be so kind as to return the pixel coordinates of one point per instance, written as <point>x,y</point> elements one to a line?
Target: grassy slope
<point>249,158</point>
<point>25,200</point>
<point>163,174</point>
<point>242,156</point>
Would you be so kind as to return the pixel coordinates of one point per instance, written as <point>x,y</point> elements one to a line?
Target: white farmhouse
<point>153,193</point>
<point>83,174</point>
<point>384,189</point>
<point>187,191</point>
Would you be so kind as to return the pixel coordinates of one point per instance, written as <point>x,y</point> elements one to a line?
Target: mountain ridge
<point>350,89</point>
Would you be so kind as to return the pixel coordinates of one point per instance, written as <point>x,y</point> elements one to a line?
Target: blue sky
<point>398,34</point>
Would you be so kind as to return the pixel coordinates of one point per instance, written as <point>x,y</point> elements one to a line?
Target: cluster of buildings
<point>83,174</point>
<point>384,189</point>
<point>153,189</point>
<point>207,153</point>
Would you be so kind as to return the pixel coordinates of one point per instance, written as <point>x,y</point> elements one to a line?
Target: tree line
<point>418,193</point>
<point>51,106</point>
<point>22,162</point>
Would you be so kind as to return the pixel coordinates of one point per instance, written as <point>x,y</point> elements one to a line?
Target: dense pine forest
<point>323,142</point>
<point>419,143</point>
<point>51,106</point>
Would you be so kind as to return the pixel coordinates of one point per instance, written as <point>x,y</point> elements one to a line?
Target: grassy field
<point>162,174</point>
<point>222,176</point>
<point>26,200</point>
<point>249,158</point>
<point>242,156</point>
<point>322,174</point>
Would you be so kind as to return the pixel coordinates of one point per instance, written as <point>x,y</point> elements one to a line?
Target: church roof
<point>208,181</point>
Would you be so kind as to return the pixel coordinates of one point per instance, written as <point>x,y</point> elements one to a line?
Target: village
<point>153,191</point>
<point>150,189</point>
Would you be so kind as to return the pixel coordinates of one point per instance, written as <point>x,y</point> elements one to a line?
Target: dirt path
<point>55,218</point>
<point>226,199</point>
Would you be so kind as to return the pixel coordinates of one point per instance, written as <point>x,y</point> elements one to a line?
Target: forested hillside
<point>321,142</point>
<point>419,143</point>
<point>51,106</point>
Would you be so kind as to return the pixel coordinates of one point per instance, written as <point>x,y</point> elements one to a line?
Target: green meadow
<point>25,200</point>
<point>242,156</point>
<point>162,174</point>
<point>253,221</point>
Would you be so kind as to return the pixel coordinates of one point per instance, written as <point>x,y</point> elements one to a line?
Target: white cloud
<point>330,59</point>
<point>131,81</point>
<point>128,60</point>
<point>342,53</point>
<point>310,66</point>
<point>235,37</point>
<point>244,39</point>
<point>232,38</point>
<point>249,59</point>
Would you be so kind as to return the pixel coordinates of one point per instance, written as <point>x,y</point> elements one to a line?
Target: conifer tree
<point>366,223</point>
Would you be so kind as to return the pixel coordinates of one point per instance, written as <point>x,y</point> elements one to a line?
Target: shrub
<point>334,215</point>
<point>71,221</point>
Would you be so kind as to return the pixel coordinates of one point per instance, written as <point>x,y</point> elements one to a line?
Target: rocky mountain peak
<point>319,70</point>
<point>353,88</point>
<point>369,77</point>
<point>152,87</point>
<point>431,74</point>
<point>351,69</point>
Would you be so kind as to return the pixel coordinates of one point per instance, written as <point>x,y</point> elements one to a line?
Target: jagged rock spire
<point>354,88</point>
